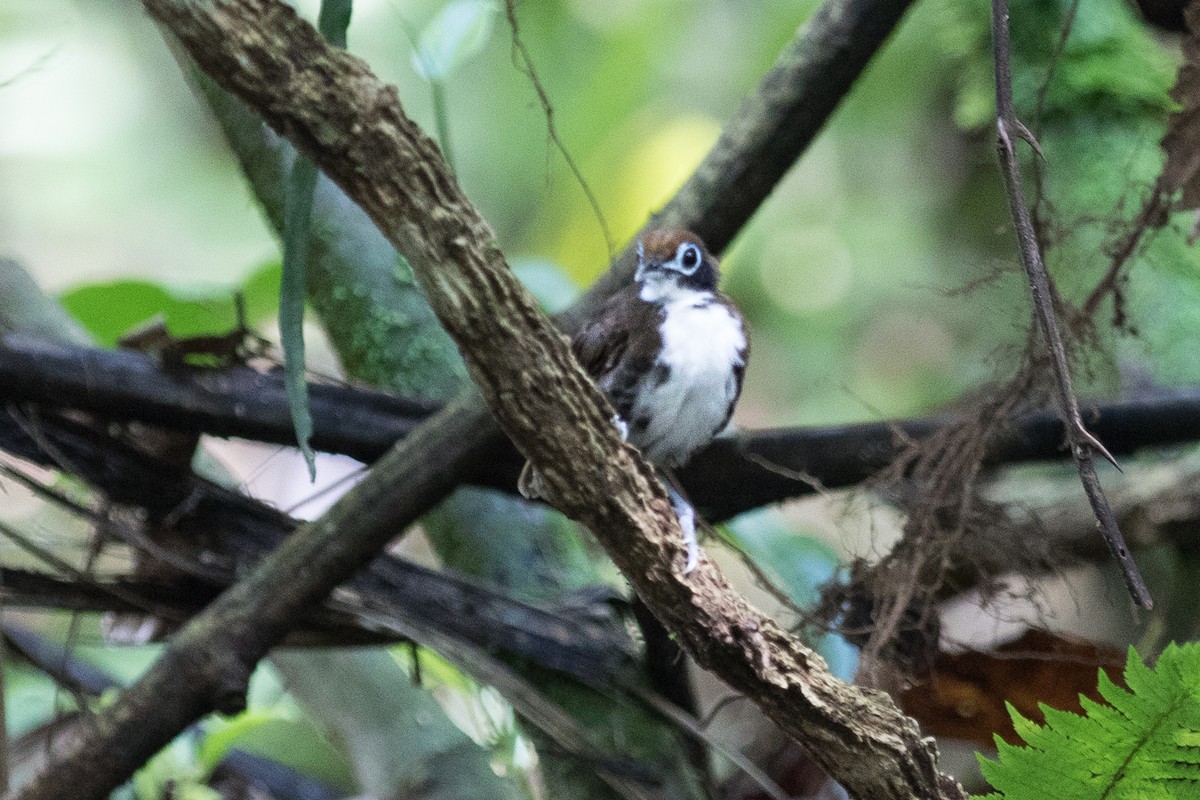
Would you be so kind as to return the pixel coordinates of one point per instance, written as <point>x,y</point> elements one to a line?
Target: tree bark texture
<point>336,112</point>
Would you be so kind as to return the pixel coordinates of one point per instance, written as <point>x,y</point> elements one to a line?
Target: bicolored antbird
<point>670,351</point>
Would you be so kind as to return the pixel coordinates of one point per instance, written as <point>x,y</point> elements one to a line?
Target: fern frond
<point>1141,744</point>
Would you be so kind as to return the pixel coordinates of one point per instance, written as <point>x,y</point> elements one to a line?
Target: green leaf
<point>334,19</point>
<point>397,736</point>
<point>173,772</point>
<point>1141,744</point>
<point>260,292</point>
<point>30,698</point>
<point>280,736</point>
<point>457,33</point>
<point>108,310</point>
<point>297,218</point>
<point>1110,66</point>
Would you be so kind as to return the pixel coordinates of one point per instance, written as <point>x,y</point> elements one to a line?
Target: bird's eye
<point>690,258</point>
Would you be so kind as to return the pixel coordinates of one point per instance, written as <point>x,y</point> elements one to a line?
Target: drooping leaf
<point>297,224</point>
<point>458,32</point>
<point>334,19</point>
<point>1142,742</point>
<point>297,219</point>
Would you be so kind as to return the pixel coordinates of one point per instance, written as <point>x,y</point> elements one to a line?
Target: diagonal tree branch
<point>767,134</point>
<point>352,126</point>
<point>354,129</point>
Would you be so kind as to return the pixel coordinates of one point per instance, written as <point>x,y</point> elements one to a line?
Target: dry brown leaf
<point>964,696</point>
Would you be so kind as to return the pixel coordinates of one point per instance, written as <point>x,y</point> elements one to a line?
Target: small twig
<point>1083,444</point>
<point>698,731</point>
<point>1039,108</point>
<point>127,533</point>
<point>524,62</point>
<point>79,576</point>
<point>1151,210</point>
<point>1059,48</point>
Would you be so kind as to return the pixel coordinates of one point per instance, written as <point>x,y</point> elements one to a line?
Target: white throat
<point>659,287</point>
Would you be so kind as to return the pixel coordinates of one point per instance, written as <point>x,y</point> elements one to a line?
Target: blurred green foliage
<point>844,273</point>
<point>108,310</point>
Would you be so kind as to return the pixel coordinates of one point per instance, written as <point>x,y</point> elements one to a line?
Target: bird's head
<point>673,260</point>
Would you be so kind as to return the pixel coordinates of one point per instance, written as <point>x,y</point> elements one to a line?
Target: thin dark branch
<point>234,401</point>
<point>57,661</point>
<point>571,643</point>
<point>768,133</point>
<point>79,576</point>
<point>1083,444</point>
<point>744,471</point>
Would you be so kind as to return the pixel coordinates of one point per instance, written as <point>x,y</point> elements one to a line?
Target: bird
<point>670,353</point>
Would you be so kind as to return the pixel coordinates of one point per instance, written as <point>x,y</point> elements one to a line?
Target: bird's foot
<point>687,521</point>
<point>622,428</point>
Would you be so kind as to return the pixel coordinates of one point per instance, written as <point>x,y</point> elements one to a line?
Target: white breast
<point>702,344</point>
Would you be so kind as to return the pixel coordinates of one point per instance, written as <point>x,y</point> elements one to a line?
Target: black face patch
<point>704,278</point>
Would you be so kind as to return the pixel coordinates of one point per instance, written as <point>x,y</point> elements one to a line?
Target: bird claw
<point>687,522</point>
<point>622,428</point>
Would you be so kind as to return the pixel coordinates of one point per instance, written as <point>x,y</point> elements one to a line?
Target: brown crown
<point>660,245</point>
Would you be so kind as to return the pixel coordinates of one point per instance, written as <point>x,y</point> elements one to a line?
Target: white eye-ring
<point>688,258</point>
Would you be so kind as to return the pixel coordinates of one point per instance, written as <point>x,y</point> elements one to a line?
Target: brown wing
<point>603,341</point>
<point>600,346</point>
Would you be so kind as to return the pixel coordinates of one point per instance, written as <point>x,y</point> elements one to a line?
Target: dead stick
<point>1083,444</point>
